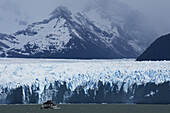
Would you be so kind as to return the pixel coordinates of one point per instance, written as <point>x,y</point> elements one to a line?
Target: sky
<point>157,11</point>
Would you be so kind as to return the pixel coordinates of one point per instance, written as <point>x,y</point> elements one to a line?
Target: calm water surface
<point>87,108</point>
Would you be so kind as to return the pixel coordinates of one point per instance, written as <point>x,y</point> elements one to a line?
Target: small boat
<point>49,105</point>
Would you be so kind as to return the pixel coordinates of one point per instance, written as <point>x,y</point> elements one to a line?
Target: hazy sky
<point>153,8</point>
<point>158,11</point>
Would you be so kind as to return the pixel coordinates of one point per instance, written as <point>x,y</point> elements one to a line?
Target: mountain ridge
<point>158,50</point>
<point>65,35</point>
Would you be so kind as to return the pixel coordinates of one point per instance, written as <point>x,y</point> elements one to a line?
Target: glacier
<point>83,81</point>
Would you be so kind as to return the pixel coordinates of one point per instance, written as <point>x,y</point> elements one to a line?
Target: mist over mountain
<point>156,11</point>
<point>34,11</point>
<point>11,17</point>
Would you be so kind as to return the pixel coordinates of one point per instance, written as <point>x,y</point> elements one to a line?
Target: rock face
<point>67,35</point>
<point>159,50</point>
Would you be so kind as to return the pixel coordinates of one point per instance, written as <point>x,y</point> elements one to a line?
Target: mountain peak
<point>69,35</point>
<point>61,11</point>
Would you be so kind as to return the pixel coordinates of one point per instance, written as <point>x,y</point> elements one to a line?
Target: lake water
<point>87,108</point>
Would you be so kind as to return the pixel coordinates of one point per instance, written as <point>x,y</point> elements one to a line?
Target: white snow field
<point>20,72</point>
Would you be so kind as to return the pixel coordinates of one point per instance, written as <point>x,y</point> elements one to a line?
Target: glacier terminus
<point>84,81</point>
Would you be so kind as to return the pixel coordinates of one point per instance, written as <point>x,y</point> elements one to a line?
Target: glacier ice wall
<point>83,81</point>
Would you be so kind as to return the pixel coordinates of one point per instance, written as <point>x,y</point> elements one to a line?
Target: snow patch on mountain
<point>59,36</point>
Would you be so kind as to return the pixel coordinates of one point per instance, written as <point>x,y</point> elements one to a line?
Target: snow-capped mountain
<point>68,35</point>
<point>83,81</point>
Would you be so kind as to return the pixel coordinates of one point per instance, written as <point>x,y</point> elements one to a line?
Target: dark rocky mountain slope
<point>159,50</point>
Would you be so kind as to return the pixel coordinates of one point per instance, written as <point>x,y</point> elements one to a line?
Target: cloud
<point>157,11</point>
<point>36,10</point>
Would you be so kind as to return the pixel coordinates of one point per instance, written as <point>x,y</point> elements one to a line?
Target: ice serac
<point>149,93</point>
<point>158,50</point>
<point>77,81</point>
<point>68,35</point>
